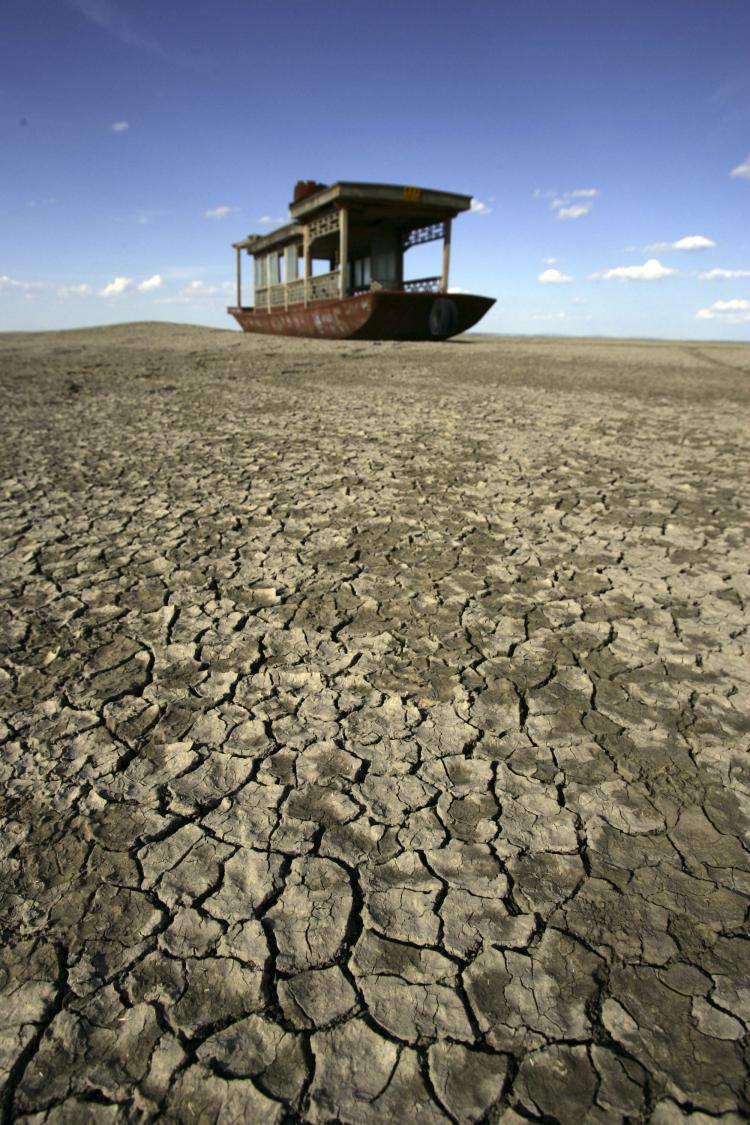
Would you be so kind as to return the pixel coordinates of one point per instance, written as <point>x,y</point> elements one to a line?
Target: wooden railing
<point>295,291</point>
<point>422,285</point>
<point>325,287</point>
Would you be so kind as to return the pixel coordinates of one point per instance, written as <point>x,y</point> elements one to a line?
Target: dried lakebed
<point>375,740</point>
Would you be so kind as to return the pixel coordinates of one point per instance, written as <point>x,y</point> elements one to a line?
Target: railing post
<point>343,250</point>
<point>306,259</point>
<point>239,278</point>
<point>446,255</point>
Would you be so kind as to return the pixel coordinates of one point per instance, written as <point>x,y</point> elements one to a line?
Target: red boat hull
<point>382,314</point>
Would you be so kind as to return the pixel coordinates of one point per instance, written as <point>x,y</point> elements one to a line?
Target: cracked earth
<point>375,740</point>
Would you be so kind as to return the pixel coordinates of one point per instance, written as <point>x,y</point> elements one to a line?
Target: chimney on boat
<point>303,188</point>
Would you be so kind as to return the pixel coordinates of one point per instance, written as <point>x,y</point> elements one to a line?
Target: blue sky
<point>606,145</point>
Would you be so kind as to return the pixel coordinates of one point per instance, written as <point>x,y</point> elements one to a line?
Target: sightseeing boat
<point>336,270</point>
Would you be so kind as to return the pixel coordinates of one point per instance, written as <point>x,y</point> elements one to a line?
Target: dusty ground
<point>376,742</point>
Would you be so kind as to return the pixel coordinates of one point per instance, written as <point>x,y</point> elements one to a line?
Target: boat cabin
<point>346,239</point>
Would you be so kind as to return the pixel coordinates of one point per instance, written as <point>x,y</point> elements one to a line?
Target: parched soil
<point>375,740</point>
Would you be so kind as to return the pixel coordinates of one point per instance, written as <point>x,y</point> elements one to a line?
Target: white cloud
<point>694,242</point>
<point>652,270</point>
<point>479,208</point>
<point>147,216</point>
<point>154,282</point>
<point>201,289</point>
<point>553,277</point>
<point>196,292</point>
<point>14,283</point>
<point>82,290</point>
<point>547,316</point>
<point>734,311</point>
<point>111,18</point>
<point>116,287</point>
<point>575,211</point>
<point>562,196</point>
<point>219,212</point>
<point>734,303</point>
<point>106,15</point>
<point>564,203</point>
<point>742,170</point>
<point>722,275</point>
<point>689,242</point>
<point>549,261</point>
<point>119,126</point>
<point>266,220</point>
<point>144,216</point>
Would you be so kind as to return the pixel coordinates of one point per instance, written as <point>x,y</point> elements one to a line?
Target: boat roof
<point>407,207</point>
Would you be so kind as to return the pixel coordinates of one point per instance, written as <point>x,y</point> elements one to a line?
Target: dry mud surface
<point>375,741</point>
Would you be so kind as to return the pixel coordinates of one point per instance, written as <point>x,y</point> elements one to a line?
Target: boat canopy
<point>360,230</point>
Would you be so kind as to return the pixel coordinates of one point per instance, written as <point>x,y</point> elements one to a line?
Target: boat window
<point>291,264</point>
<point>362,268</point>
<point>273,269</point>
<point>424,260</point>
<point>260,273</point>
<point>387,259</point>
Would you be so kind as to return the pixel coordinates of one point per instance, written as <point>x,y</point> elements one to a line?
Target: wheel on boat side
<point>443,318</point>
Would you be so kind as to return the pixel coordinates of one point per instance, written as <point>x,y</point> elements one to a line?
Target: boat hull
<point>382,314</point>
